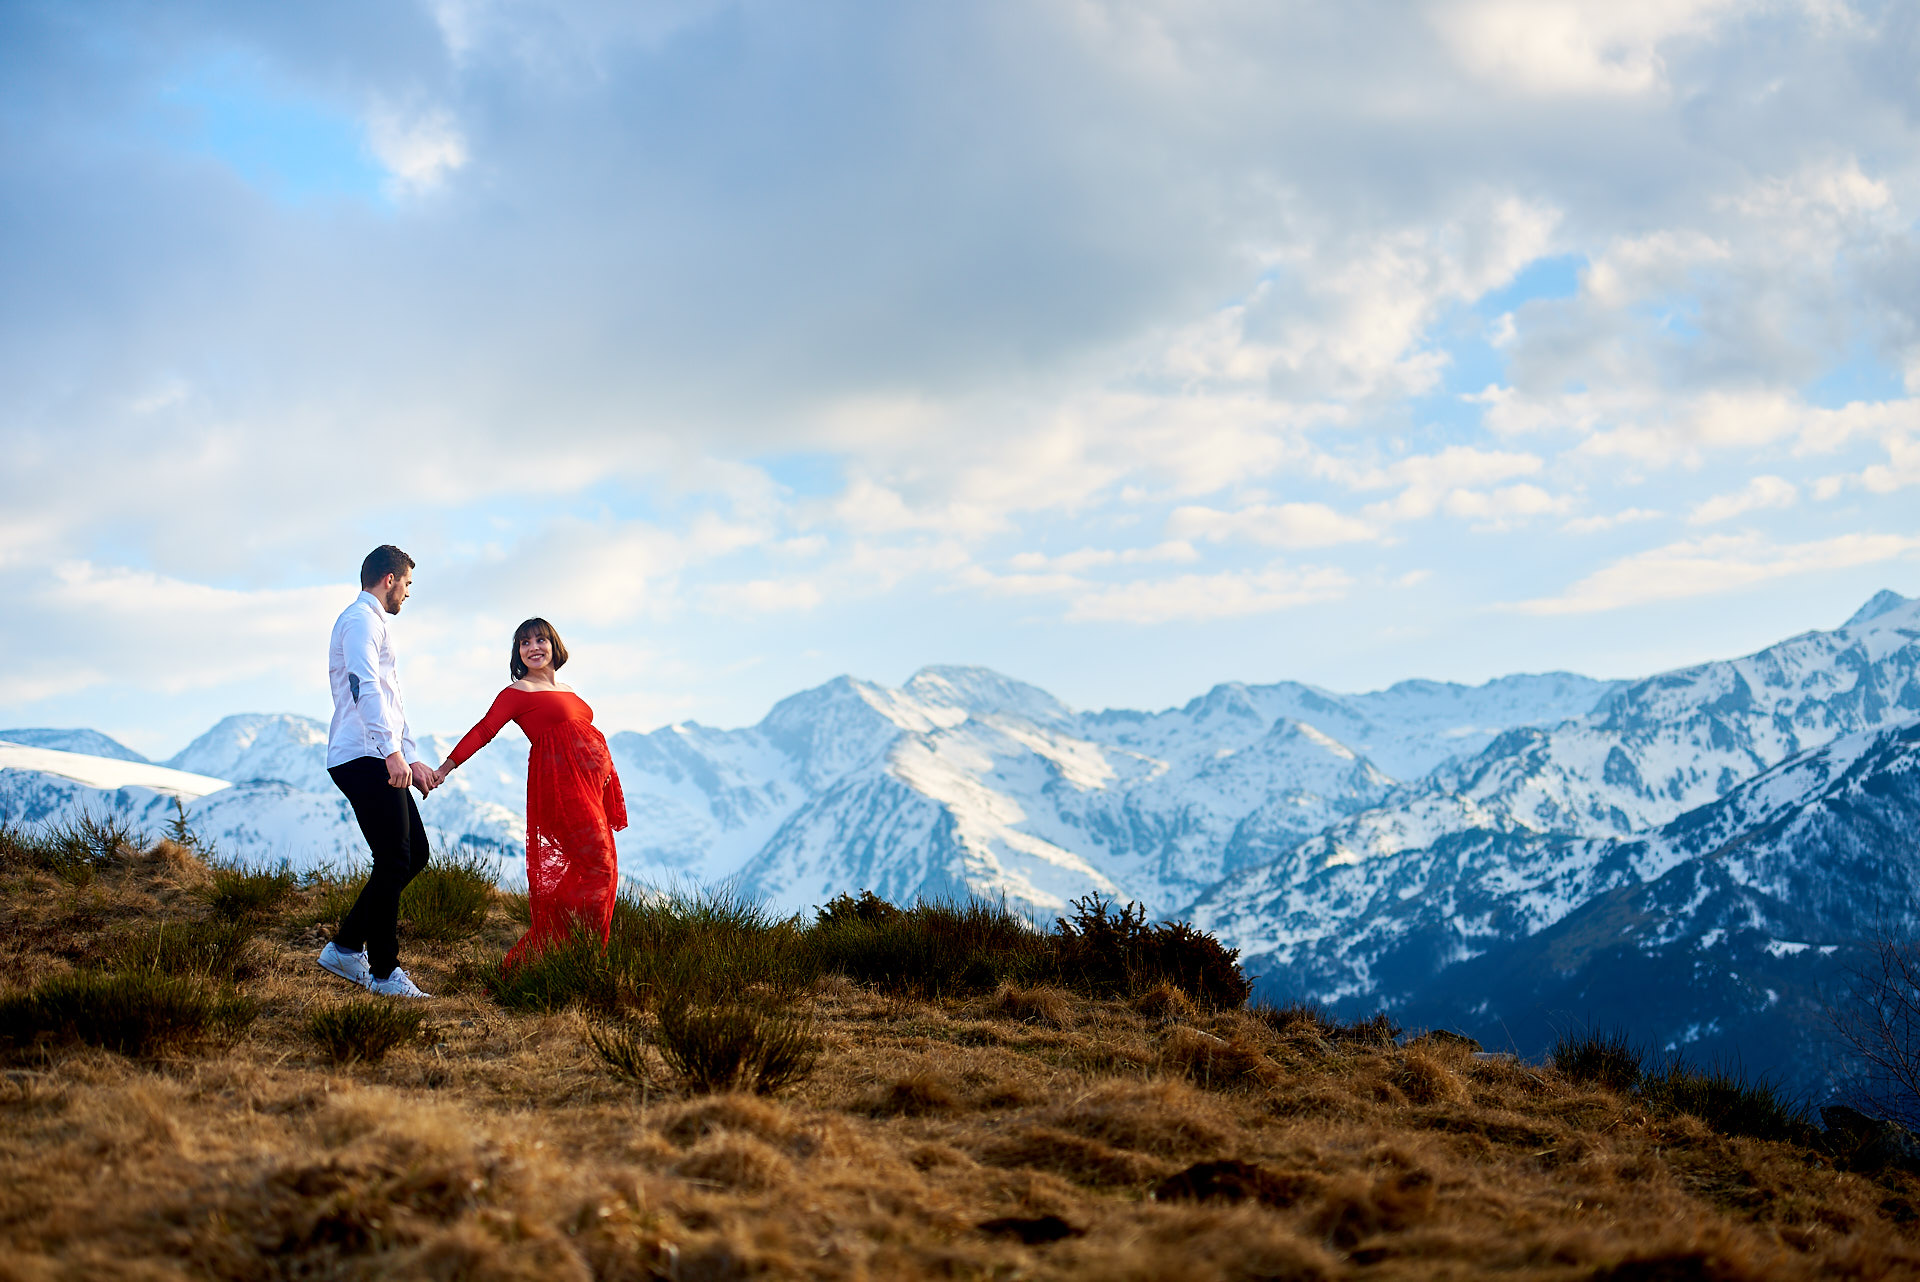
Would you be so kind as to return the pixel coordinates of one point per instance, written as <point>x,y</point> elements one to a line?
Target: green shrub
<point>1600,1058</point>
<point>247,892</point>
<point>365,1029</point>
<point>736,1047</point>
<point>181,833</point>
<point>218,949</point>
<point>134,1012</point>
<point>449,898</point>
<point>867,909</point>
<point>1725,1100</point>
<point>1117,953</point>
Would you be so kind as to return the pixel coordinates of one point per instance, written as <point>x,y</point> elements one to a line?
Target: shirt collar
<point>373,600</point>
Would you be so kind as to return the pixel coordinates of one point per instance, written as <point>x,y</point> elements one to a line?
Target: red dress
<point>574,806</point>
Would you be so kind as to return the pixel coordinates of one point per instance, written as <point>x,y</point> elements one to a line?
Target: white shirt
<point>369,715</point>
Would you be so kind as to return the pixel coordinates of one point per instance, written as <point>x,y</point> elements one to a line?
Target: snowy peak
<point>846,724</point>
<point>90,743</point>
<point>105,773</point>
<point>982,692</point>
<point>1883,602</point>
<point>261,745</point>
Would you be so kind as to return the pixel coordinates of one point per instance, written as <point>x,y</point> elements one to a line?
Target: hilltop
<point>962,1117</point>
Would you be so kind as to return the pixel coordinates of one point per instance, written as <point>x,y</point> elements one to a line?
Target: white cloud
<point>1074,562</point>
<point>1288,525</point>
<point>763,596</point>
<point>418,148</point>
<point>1197,598</point>
<point>1712,566</point>
<point>1339,315</point>
<point>1429,482</point>
<point>1607,521</point>
<point>1184,255</point>
<point>1553,48</point>
<point>1640,267</point>
<point>95,624</point>
<point>1503,508</point>
<point>1759,494</point>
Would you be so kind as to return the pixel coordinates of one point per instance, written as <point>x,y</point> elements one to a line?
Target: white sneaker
<point>395,985</point>
<point>349,966</point>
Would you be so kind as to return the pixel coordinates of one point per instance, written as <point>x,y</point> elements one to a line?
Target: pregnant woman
<point>574,802</point>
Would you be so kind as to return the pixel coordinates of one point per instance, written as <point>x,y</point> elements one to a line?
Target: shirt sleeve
<point>362,653</point>
<point>490,725</point>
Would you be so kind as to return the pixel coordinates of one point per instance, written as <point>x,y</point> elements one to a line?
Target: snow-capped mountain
<point>1655,748</point>
<point>1406,730</point>
<point>1728,933</point>
<point>1468,854</point>
<point>256,745</point>
<point>960,781</point>
<point>89,743</point>
<point>39,785</point>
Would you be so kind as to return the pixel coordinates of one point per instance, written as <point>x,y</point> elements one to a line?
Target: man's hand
<point>398,776</point>
<point>423,778</point>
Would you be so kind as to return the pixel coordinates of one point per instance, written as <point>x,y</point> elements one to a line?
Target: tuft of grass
<point>1216,1063</point>
<point>736,1047</point>
<point>576,970</point>
<point>74,850</point>
<point>623,1049</point>
<point>217,949</point>
<point>931,949</point>
<point>365,1029</point>
<point>248,892</point>
<point>448,900</point>
<point>1598,1058</point>
<point>134,1012</point>
<point>330,895</point>
<point>1315,1020</point>
<point>715,949</point>
<point>1728,1102</point>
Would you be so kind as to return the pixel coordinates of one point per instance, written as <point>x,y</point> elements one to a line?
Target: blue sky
<point>1125,347</point>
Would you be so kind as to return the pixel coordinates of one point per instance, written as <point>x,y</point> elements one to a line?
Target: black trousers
<point>391,824</point>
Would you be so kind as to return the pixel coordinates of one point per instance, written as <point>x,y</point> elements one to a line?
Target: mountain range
<point>1478,854</point>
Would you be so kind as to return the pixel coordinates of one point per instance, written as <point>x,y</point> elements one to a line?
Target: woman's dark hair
<point>535,628</point>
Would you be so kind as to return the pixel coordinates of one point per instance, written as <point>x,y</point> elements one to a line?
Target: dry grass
<point>1029,1132</point>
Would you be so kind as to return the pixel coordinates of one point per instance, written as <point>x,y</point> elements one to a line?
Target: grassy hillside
<point>912,1095</point>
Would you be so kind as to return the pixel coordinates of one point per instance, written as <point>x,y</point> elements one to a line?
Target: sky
<point>1123,346</point>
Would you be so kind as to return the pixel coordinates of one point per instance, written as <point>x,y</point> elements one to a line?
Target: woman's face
<point>535,651</point>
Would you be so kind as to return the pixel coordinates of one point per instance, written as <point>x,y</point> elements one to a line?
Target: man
<point>372,759</point>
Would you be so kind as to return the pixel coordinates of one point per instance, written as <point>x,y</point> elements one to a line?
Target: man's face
<point>397,587</point>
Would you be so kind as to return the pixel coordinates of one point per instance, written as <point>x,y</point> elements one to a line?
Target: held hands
<point>424,779</point>
<point>440,775</point>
